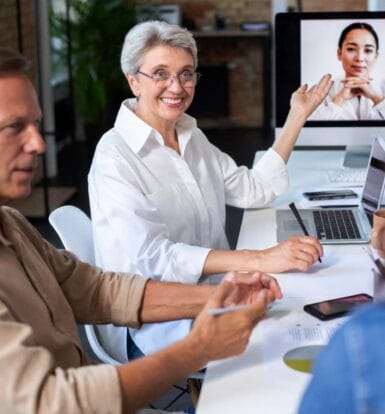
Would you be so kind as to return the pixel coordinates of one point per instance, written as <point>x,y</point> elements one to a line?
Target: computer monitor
<point>307,47</point>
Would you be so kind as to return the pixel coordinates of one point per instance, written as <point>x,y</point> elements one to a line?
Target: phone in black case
<point>334,308</point>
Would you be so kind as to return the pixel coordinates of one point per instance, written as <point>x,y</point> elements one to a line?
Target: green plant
<point>96,33</point>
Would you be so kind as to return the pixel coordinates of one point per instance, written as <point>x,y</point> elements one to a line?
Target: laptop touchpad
<point>292,225</point>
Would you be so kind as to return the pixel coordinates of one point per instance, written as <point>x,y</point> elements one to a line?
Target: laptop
<point>342,225</point>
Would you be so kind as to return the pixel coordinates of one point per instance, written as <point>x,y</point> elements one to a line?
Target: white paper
<point>280,334</point>
<point>338,275</point>
<point>287,326</point>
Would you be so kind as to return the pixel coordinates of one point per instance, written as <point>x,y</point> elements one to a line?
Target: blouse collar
<point>128,122</point>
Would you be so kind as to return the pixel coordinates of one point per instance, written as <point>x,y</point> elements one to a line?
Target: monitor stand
<point>357,156</point>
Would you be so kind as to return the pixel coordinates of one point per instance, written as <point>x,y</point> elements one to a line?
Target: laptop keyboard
<point>347,176</point>
<point>338,224</point>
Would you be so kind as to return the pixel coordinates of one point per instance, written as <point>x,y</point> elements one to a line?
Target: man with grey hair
<point>45,291</point>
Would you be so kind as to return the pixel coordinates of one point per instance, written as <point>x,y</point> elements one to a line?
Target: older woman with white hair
<point>158,188</point>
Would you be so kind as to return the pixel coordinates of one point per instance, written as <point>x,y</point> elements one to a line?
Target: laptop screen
<point>374,183</point>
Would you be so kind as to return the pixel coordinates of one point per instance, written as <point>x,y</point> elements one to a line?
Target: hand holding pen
<point>227,333</point>
<point>293,208</point>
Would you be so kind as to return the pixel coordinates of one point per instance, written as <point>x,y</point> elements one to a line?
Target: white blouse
<point>358,108</point>
<point>158,213</point>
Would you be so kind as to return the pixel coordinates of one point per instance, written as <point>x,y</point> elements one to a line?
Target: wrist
<point>377,99</point>
<point>251,260</point>
<point>194,352</point>
<point>338,100</point>
<point>296,116</point>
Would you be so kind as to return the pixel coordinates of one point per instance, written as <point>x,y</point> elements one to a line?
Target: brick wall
<point>243,57</point>
<point>9,36</point>
<point>235,11</point>
<point>336,5</point>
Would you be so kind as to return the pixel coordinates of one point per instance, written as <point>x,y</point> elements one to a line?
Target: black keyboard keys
<point>338,224</point>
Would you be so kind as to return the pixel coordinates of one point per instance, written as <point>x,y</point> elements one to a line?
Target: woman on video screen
<point>356,96</point>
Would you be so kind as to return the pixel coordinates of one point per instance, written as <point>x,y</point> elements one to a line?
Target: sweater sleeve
<point>31,384</point>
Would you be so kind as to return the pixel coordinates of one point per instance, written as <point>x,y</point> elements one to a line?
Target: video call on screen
<point>306,49</point>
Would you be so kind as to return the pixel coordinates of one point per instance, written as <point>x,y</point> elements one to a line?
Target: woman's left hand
<point>366,89</point>
<point>306,100</point>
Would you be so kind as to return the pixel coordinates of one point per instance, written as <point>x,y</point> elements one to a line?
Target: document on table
<point>338,275</point>
<point>289,338</point>
<point>289,344</point>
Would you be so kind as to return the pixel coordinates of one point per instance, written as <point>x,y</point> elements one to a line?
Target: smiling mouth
<point>172,101</point>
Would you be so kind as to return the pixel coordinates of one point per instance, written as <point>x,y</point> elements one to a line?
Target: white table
<point>258,381</point>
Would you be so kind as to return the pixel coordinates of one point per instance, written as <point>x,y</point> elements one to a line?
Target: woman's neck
<point>170,139</point>
<point>166,129</point>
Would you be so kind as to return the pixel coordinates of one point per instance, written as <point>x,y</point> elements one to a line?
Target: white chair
<point>74,228</point>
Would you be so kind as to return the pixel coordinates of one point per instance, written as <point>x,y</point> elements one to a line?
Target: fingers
<point>358,79</point>
<point>272,285</point>
<point>226,334</point>
<point>355,86</point>
<point>310,240</point>
<point>306,251</point>
<point>302,89</point>
<point>322,87</point>
<point>325,81</point>
<point>256,281</point>
<point>251,313</point>
<point>258,309</point>
<point>220,294</point>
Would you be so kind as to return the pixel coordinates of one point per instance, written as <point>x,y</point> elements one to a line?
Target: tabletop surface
<point>259,380</point>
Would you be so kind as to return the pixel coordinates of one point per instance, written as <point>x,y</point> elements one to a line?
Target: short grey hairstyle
<point>144,36</point>
<point>12,61</point>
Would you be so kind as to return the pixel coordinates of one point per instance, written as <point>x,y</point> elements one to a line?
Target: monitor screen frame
<point>288,78</point>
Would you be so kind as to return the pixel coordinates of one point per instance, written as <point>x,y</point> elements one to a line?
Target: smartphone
<point>329,195</point>
<point>334,308</point>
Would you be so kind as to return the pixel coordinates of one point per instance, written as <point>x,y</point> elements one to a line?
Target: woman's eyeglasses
<point>161,78</point>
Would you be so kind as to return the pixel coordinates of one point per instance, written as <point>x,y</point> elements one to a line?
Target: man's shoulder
<point>12,219</point>
<point>12,215</point>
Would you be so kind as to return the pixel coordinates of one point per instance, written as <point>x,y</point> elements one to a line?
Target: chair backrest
<point>74,229</point>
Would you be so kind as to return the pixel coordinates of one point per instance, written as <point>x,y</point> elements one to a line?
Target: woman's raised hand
<point>306,99</point>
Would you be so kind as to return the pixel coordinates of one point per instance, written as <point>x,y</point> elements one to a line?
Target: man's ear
<point>134,84</point>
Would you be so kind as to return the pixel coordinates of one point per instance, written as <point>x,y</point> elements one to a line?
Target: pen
<point>227,309</point>
<point>293,208</point>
